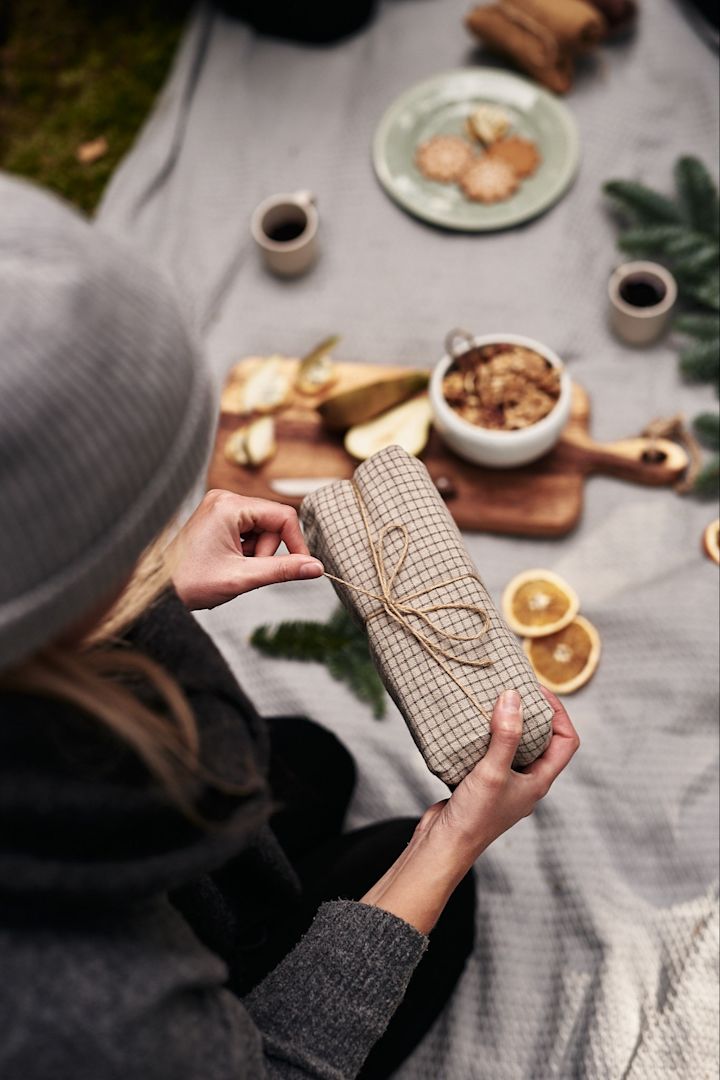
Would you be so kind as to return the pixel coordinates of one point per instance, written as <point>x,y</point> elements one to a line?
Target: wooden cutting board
<point>542,499</point>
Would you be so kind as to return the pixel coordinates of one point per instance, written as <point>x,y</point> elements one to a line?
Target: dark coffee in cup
<point>285,231</point>
<point>283,224</point>
<point>641,290</point>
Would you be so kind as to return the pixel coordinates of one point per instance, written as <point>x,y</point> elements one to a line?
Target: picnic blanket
<point>597,917</point>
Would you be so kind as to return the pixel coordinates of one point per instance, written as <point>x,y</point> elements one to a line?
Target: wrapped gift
<point>398,563</point>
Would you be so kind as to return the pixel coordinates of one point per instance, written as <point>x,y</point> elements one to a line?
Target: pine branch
<point>654,240</point>
<point>308,641</point>
<point>706,293</point>
<point>698,325</point>
<point>358,672</point>
<point>707,482</point>
<point>698,196</point>
<point>685,243</point>
<point>641,204</point>
<point>339,644</point>
<point>341,623</point>
<point>707,429</point>
<point>697,265</point>
<point>701,362</point>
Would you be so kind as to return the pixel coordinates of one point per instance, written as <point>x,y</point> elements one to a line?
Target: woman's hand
<point>491,799</point>
<point>228,547</point>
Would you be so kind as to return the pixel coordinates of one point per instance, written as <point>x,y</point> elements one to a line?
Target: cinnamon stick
<point>619,14</point>
<point>576,24</point>
<point>513,33</point>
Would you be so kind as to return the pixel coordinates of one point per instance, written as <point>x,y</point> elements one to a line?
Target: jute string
<point>401,609</point>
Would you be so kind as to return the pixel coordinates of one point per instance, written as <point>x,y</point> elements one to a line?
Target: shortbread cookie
<point>522,155</point>
<point>488,180</point>
<point>444,158</point>
<point>488,123</point>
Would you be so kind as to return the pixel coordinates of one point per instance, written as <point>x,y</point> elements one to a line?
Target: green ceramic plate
<point>440,106</point>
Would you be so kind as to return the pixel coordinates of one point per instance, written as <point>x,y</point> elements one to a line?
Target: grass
<point>73,71</point>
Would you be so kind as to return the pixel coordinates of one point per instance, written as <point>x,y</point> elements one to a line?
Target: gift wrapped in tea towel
<point>442,650</point>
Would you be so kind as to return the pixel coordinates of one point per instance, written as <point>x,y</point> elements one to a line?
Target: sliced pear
<point>317,370</point>
<point>407,425</point>
<point>236,448</point>
<point>266,388</point>
<point>362,403</point>
<point>260,440</point>
<point>252,444</point>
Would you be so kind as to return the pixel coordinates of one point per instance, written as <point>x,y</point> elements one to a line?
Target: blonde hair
<point>95,674</point>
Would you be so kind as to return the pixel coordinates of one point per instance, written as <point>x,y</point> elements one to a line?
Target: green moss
<point>72,71</point>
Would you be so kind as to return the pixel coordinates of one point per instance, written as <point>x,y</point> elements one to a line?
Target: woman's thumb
<point>271,569</point>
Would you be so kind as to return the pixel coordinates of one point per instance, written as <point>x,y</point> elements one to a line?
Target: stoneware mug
<point>654,291</point>
<point>284,227</point>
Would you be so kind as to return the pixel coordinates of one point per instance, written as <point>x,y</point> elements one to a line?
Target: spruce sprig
<point>683,233</point>
<point>339,644</point>
<point>707,429</point>
<point>701,362</point>
<point>707,484</point>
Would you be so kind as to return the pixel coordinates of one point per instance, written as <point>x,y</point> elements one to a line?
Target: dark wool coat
<point>127,931</point>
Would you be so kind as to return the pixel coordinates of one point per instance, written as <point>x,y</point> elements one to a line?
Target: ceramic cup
<point>284,227</point>
<point>635,324</point>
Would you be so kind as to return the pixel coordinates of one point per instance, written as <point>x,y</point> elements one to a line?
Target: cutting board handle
<point>656,462</point>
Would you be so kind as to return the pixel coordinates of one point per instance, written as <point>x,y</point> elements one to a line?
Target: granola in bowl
<point>499,400</point>
<point>502,386</point>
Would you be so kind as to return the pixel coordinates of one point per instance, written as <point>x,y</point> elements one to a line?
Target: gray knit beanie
<point>106,414</point>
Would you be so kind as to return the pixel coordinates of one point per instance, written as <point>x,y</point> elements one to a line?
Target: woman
<point>166,856</point>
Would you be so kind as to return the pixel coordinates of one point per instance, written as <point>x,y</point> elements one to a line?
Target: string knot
<point>404,608</point>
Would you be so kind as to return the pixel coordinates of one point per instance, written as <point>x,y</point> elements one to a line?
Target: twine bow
<point>401,608</point>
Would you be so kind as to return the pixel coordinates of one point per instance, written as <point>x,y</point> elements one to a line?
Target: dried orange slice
<point>564,661</point>
<point>711,540</point>
<point>539,602</point>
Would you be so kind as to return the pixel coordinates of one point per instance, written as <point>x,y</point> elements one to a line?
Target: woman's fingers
<point>272,517</point>
<point>267,543</point>
<point>563,744</point>
<point>270,570</point>
<point>274,523</point>
<point>506,731</point>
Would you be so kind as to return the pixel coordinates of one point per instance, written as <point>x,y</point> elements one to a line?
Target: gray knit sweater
<point>102,976</point>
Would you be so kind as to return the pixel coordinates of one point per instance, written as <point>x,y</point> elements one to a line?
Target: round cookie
<point>522,155</point>
<point>488,180</point>
<point>443,157</point>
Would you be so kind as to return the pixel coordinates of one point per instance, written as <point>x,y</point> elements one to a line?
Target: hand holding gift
<point>399,565</point>
<point>489,801</point>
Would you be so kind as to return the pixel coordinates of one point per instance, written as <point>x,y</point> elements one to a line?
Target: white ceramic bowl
<point>500,449</point>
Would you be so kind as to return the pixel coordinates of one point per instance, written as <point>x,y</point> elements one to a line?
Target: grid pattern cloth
<point>449,730</point>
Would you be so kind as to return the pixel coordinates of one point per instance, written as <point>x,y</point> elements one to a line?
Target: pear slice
<point>252,444</point>
<point>317,371</point>
<point>260,440</point>
<point>266,388</point>
<point>362,403</point>
<point>407,425</point>
<point>236,447</point>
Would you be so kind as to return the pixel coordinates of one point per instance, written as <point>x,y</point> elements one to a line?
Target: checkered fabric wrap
<point>448,729</point>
